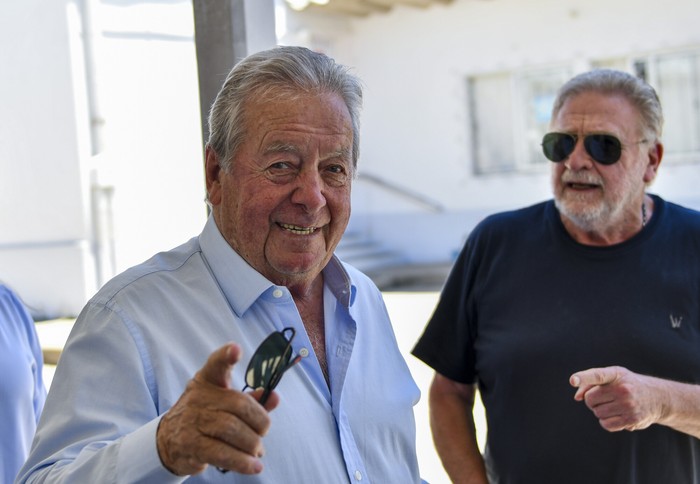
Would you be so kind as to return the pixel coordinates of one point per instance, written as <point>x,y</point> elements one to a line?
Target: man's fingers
<point>213,424</point>
<point>585,380</point>
<point>226,458</point>
<point>594,376</point>
<point>217,369</point>
<point>582,380</point>
<point>619,398</point>
<point>236,433</point>
<point>213,451</point>
<point>272,401</point>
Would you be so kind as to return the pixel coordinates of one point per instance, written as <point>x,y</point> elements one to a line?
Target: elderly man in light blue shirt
<point>149,386</point>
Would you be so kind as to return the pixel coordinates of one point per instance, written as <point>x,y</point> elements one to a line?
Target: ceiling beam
<point>360,8</point>
<point>411,3</point>
<point>364,8</point>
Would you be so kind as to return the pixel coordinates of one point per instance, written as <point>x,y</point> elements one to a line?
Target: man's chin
<point>584,215</point>
<point>297,267</point>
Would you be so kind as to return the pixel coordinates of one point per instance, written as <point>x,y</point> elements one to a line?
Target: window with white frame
<point>537,91</point>
<point>491,105</point>
<point>510,111</point>
<point>676,78</point>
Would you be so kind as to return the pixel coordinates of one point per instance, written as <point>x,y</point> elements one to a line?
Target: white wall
<point>149,96</point>
<point>148,140</point>
<point>415,121</point>
<point>43,197</point>
<point>415,63</point>
<point>415,133</point>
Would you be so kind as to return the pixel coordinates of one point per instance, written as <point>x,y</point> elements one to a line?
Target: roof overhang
<point>360,8</point>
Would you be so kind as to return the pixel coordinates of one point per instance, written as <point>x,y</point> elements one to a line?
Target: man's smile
<point>295,229</point>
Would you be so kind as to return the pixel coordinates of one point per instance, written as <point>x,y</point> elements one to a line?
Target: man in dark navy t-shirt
<point>599,290</point>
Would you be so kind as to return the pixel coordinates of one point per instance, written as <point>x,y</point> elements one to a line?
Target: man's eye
<point>336,169</point>
<point>280,165</point>
<point>336,175</point>
<point>280,171</point>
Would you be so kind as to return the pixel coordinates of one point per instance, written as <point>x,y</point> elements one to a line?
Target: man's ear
<point>655,153</point>
<point>212,170</point>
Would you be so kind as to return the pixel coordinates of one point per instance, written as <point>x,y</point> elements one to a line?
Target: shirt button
<point>277,293</point>
<point>358,475</point>
<point>304,352</point>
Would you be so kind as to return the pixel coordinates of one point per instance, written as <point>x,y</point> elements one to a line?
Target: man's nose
<point>579,159</point>
<point>309,191</point>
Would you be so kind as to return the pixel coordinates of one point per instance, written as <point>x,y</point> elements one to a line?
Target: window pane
<point>491,108</point>
<point>678,89</point>
<point>537,92</point>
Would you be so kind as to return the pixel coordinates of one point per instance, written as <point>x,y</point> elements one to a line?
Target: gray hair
<point>609,81</point>
<point>285,71</point>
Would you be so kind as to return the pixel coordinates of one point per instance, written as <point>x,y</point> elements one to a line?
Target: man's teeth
<point>298,230</point>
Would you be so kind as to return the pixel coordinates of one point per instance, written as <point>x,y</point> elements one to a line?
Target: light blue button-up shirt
<point>145,334</point>
<point>22,391</point>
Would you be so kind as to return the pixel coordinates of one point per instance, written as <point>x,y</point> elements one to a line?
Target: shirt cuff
<point>139,460</point>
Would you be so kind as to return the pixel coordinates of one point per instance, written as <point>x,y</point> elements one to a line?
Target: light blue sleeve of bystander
<point>22,391</point>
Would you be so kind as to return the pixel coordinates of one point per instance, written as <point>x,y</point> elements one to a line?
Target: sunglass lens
<point>558,146</point>
<point>270,361</point>
<point>270,355</point>
<point>603,148</point>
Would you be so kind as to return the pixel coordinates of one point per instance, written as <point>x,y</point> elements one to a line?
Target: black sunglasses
<point>603,148</point>
<point>269,362</point>
<point>267,365</point>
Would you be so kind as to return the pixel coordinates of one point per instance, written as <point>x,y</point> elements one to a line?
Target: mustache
<point>581,177</point>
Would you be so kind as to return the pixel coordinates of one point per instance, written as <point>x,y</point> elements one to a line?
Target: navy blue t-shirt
<point>525,306</point>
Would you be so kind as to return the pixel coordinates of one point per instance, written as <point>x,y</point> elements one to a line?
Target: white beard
<point>601,214</point>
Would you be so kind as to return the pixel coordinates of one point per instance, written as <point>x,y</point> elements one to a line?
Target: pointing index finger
<point>217,369</point>
<point>584,380</point>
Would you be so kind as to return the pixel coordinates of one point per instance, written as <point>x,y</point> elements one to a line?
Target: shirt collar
<point>241,284</point>
<point>248,285</point>
<point>337,279</point>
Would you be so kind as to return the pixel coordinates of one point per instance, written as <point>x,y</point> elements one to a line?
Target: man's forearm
<point>454,432</point>
<point>682,408</point>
